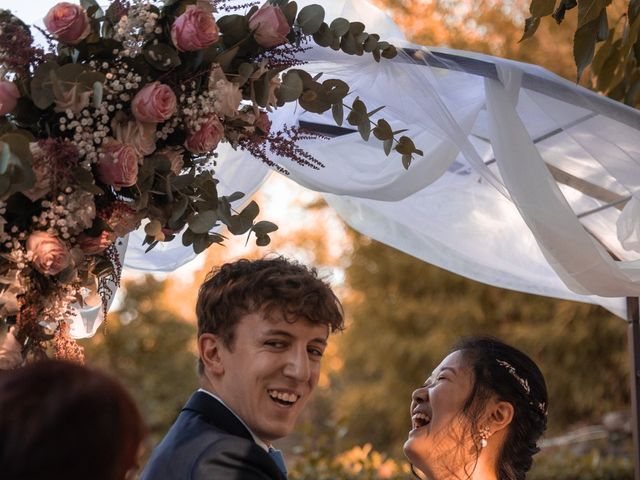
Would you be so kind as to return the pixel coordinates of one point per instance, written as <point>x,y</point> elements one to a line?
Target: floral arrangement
<point>116,124</point>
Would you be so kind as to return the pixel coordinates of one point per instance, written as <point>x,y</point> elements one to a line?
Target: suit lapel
<point>217,414</point>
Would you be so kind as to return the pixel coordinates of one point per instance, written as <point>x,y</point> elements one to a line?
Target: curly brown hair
<point>271,285</point>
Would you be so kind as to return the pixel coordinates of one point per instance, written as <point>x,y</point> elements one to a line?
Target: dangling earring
<point>485,433</point>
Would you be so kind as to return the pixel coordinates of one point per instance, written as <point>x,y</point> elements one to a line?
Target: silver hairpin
<point>512,371</point>
<point>541,406</point>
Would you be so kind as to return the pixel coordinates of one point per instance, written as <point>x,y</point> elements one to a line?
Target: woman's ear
<point>209,348</point>
<point>500,415</point>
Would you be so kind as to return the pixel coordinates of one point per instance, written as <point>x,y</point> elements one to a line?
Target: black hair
<point>505,372</point>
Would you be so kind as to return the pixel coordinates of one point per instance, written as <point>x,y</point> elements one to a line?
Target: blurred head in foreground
<point>61,420</point>
<point>479,415</point>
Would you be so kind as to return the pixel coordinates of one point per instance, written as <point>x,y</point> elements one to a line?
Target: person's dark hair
<point>511,376</point>
<point>270,285</point>
<point>63,420</point>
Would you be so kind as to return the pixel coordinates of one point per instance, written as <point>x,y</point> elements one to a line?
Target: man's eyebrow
<point>285,333</point>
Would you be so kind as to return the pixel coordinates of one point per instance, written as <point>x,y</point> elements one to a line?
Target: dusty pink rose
<point>195,29</point>
<point>48,254</point>
<point>263,124</point>
<point>206,138</point>
<point>94,245</point>
<point>74,99</point>
<point>118,163</point>
<point>155,103</point>
<point>176,158</point>
<point>269,25</point>
<point>9,96</point>
<point>68,23</point>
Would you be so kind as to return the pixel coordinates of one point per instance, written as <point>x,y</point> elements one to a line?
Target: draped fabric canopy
<point>528,181</point>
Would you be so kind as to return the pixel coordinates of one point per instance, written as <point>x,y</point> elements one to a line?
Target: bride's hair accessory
<point>524,383</point>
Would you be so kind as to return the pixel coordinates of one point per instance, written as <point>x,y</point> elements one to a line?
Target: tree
<point>405,314</point>
<point>151,350</point>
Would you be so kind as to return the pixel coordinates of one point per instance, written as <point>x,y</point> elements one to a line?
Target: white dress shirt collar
<point>261,443</point>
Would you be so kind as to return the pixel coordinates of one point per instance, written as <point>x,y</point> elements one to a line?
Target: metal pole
<point>633,317</point>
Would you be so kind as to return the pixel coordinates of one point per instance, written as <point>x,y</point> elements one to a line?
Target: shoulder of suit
<point>229,455</point>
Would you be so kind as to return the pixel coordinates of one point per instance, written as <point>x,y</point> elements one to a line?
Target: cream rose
<point>269,26</point>
<point>206,138</point>
<point>141,136</point>
<point>48,254</point>
<point>9,96</point>
<point>194,30</point>
<point>117,163</point>
<point>68,23</point>
<point>155,103</point>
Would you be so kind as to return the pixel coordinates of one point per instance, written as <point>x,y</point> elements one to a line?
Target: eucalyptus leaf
<point>41,88</point>
<point>387,145</point>
<point>162,57</point>
<point>290,88</point>
<point>202,222</point>
<point>310,18</point>
<point>98,91</point>
<point>290,10</point>
<point>406,161</point>
<point>339,26</point>
<point>179,208</point>
<point>263,227</point>
<point>337,110</point>
<point>584,44</point>
<point>324,37</point>
<point>383,131</point>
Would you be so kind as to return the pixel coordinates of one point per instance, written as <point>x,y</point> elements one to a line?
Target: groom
<point>262,329</point>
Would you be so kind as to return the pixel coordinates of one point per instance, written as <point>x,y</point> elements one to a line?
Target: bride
<point>479,415</point>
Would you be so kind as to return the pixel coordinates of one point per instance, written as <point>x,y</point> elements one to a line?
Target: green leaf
<point>383,131</point>
<point>201,243</point>
<point>310,19</point>
<point>98,90</point>
<point>584,44</point>
<point>234,197</point>
<point>262,240</point>
<point>203,221</point>
<point>334,90</point>
<point>339,26</point>
<point>405,146</point>
<point>589,10</point>
<point>356,28</point>
<point>541,8</point>
<point>290,88</point>
<point>324,37</point>
<point>406,161</point>
<point>337,110</point>
<point>162,57</point>
<point>263,227</point>
<point>178,209</point>
<point>348,44</point>
<point>387,146</point>
<point>364,128</point>
<point>290,10</point>
<point>565,5</point>
<point>4,158</point>
<point>389,52</point>
<point>41,88</point>
<point>531,24</point>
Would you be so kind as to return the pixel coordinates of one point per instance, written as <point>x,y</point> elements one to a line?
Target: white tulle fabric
<point>482,201</point>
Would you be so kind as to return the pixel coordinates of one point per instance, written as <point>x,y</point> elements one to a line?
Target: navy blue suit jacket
<point>208,442</point>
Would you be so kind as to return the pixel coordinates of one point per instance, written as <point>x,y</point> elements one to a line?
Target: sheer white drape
<point>521,185</point>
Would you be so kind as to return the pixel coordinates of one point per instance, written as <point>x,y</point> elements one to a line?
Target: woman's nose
<point>420,395</point>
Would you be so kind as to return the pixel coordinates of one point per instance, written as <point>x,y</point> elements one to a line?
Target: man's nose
<point>298,365</point>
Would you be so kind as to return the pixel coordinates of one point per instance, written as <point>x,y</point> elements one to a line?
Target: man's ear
<point>500,415</point>
<point>209,346</point>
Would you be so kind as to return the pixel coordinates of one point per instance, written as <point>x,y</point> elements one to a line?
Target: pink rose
<point>118,163</point>
<point>155,103</point>
<point>9,96</point>
<point>68,23</point>
<point>206,138</point>
<point>176,158</point>
<point>194,30</point>
<point>48,254</point>
<point>263,124</point>
<point>269,25</point>
<point>94,245</point>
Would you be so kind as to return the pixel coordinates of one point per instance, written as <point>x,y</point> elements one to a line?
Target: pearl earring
<point>485,433</point>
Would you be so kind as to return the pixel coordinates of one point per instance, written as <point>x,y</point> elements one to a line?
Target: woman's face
<point>439,437</point>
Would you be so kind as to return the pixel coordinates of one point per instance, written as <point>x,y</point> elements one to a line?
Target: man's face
<point>270,371</point>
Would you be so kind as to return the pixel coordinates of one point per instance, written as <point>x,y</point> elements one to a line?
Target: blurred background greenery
<point>403,315</point>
